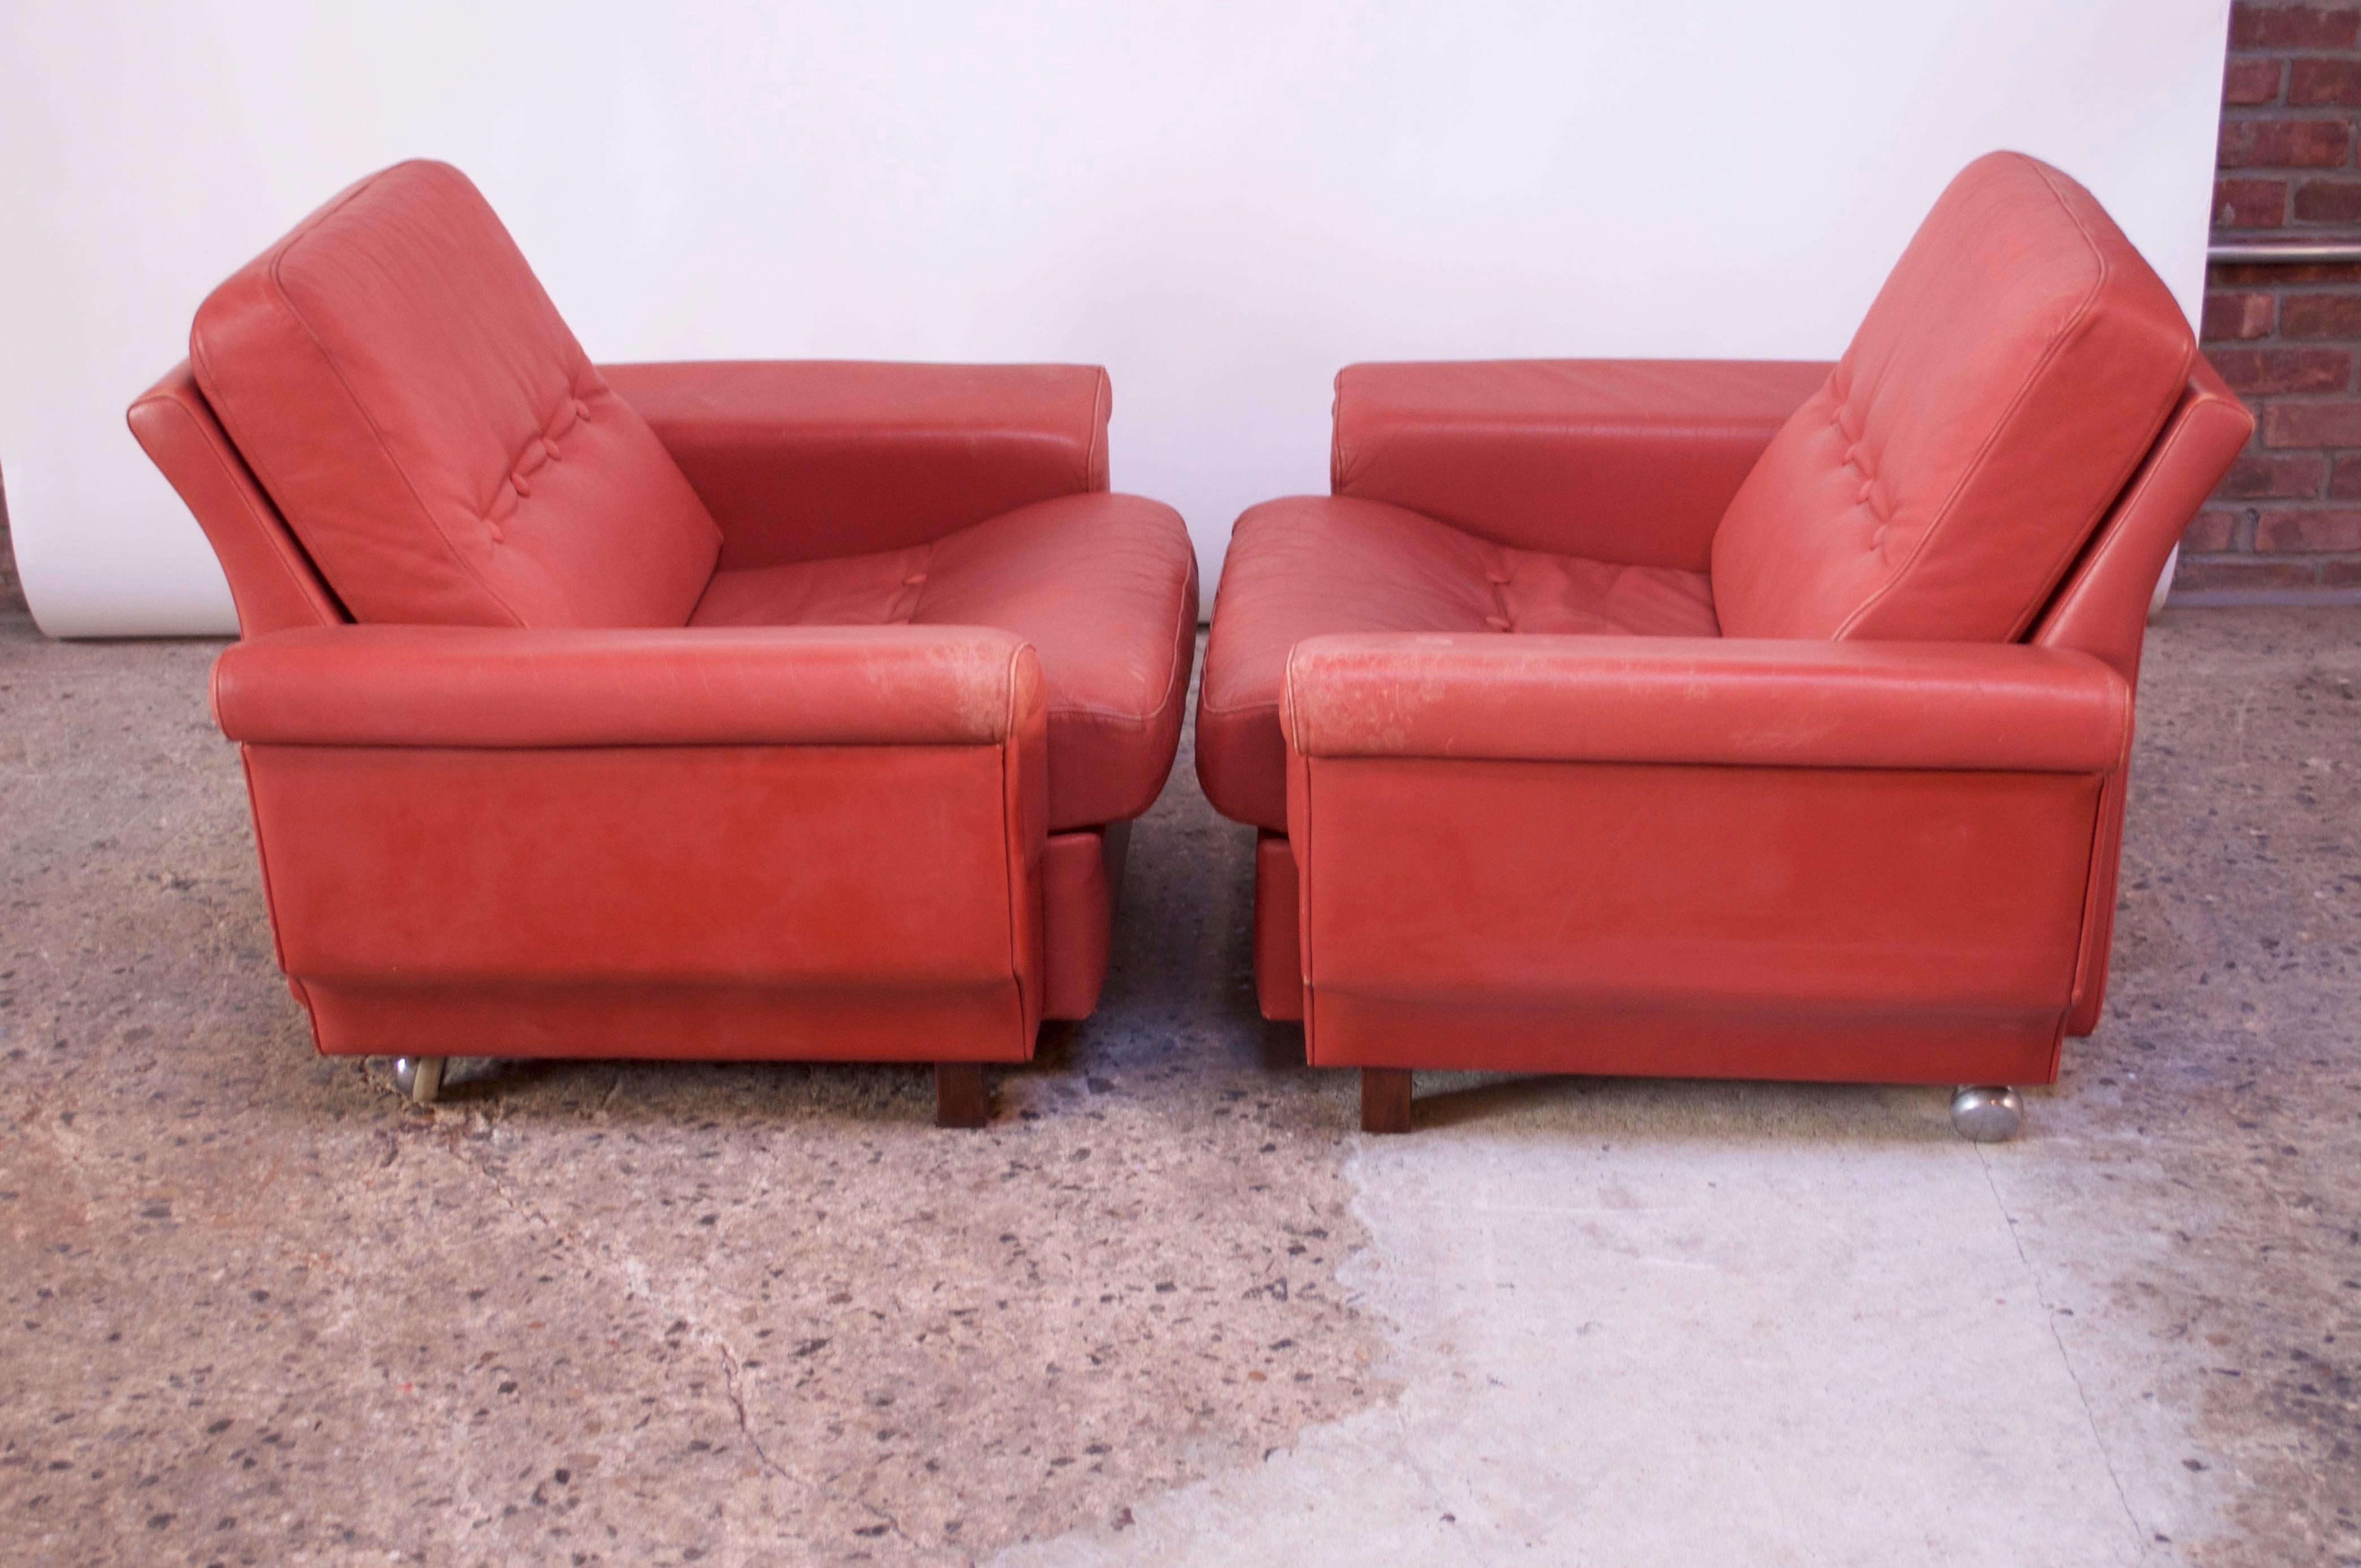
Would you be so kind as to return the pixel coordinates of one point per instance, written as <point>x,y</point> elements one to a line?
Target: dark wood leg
<point>1385,1100</point>
<point>960,1097</point>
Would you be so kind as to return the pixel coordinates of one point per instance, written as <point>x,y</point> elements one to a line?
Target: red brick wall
<point>2288,518</point>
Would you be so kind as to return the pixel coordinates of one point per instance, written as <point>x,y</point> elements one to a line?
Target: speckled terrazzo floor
<point>256,1309</point>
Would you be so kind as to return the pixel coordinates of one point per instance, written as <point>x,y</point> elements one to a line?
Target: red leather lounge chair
<point>747,710</point>
<point>1725,718</point>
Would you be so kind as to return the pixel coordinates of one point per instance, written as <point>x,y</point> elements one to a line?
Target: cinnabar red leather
<point>529,806</point>
<point>1277,954</point>
<point>1797,922</point>
<point>1312,565</point>
<point>398,380</point>
<point>802,459</point>
<point>1630,460</point>
<point>729,899</point>
<point>1560,496</point>
<point>1104,587</point>
<point>272,583</point>
<point>2100,609</point>
<point>1080,875</point>
<point>1852,827</point>
<point>2009,376</point>
<point>1739,702</point>
<point>505,688</point>
<point>1827,859</point>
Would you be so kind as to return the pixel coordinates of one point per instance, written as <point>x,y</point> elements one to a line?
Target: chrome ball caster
<point>421,1078</point>
<point>1987,1114</point>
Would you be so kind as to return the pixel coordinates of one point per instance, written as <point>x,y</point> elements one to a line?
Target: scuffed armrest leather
<point>797,459</point>
<point>508,688</point>
<point>1626,460</point>
<point>1726,701</point>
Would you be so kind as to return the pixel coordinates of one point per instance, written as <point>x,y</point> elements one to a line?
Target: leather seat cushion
<point>1104,586</point>
<point>1312,565</point>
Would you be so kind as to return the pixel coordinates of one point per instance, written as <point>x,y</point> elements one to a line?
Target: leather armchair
<point>743,710</point>
<point>1725,719</point>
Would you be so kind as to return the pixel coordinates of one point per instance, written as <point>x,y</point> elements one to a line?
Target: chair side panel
<point>271,580</point>
<point>1581,908</point>
<point>505,892</point>
<point>2102,609</point>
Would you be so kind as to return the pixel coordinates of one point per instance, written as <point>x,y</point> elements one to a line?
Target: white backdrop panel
<point>1221,203</point>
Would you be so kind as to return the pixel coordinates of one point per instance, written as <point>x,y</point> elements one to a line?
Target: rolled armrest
<point>796,459</point>
<point>1626,460</point>
<point>1735,702</point>
<point>504,688</point>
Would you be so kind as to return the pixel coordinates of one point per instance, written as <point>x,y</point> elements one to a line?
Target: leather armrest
<point>799,459</point>
<point>1626,460</point>
<point>1714,701</point>
<point>507,689</point>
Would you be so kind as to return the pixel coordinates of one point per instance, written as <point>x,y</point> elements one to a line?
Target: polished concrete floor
<point>1169,1308</point>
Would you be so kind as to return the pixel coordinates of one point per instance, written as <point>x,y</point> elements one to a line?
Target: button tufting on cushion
<point>393,361</point>
<point>2014,367</point>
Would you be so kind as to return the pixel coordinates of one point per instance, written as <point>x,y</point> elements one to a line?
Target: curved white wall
<point>1222,203</point>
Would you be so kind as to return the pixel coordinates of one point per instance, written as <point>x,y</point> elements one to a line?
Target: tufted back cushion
<point>2012,371</point>
<point>399,382</point>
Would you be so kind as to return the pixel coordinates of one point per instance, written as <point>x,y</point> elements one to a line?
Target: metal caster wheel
<point>1987,1116</point>
<point>421,1078</point>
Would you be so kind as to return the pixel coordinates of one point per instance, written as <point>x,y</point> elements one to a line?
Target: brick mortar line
<point>2283,55</point>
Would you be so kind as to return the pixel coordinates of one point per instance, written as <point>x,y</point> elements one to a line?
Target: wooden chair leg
<point>962,1099</point>
<point>1385,1100</point>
